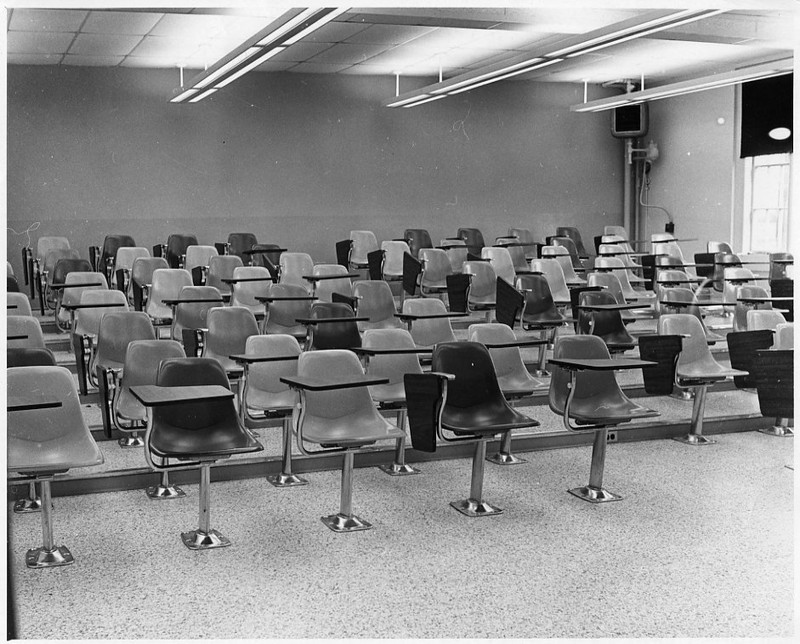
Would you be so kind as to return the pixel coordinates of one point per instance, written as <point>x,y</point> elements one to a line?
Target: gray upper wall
<point>297,159</point>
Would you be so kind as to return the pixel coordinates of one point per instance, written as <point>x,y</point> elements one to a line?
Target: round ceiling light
<point>780,133</point>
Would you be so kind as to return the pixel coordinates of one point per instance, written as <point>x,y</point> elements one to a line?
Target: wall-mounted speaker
<point>629,121</point>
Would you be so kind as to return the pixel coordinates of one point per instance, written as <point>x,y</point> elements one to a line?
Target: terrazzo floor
<point>701,546</point>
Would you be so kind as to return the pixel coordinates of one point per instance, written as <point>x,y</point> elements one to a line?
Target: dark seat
<point>291,302</point>
<point>461,395</point>
<point>607,325</point>
<point>574,234</point>
<point>175,251</point>
<point>238,243</point>
<point>540,313</point>
<point>473,238</point>
<point>594,400</point>
<point>336,329</point>
<point>108,253</point>
<point>196,429</point>
<point>46,436</point>
<point>417,238</point>
<point>773,370</point>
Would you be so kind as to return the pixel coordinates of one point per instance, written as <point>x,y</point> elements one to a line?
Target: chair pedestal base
<point>131,441</point>
<point>775,430</point>
<point>504,458</point>
<point>24,506</point>
<point>398,469</point>
<point>345,522</point>
<point>43,558</point>
<point>199,540</point>
<point>473,508</point>
<point>594,494</point>
<point>286,480</point>
<point>161,492</point>
<point>683,394</point>
<point>694,439</point>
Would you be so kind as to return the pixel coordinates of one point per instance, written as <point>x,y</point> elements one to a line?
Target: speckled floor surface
<point>701,546</point>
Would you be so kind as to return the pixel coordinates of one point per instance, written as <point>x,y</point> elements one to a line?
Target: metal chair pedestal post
<point>695,435</point>
<point>475,506</point>
<point>48,555</point>
<point>399,467</point>
<point>31,504</point>
<point>504,456</point>
<point>164,490</point>
<point>286,478</point>
<point>595,492</point>
<point>132,440</point>
<point>780,428</point>
<point>345,520</point>
<point>204,538</point>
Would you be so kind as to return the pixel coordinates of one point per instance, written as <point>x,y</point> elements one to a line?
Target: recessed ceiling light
<point>780,133</point>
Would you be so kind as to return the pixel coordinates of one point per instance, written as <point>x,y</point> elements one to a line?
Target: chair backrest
<point>741,309</point>
<point>483,283</point>
<point>457,252</point>
<point>166,285</point>
<point>245,293</point>
<point>23,331</point>
<point>784,336</point>
<point>590,386</point>
<point>539,306</point>
<point>18,304</point>
<point>525,236</point>
<point>52,257</point>
<point>555,278</point>
<point>263,388</point>
<point>143,268</point>
<point>48,243</point>
<point>572,249</point>
<point>338,411</point>
<point>393,251</point>
<point>228,330</point>
<point>435,268</point>
<point>517,254</point>
<point>573,234</point>
<point>758,319</point>
<point>562,256</point>
<point>324,289</point>
<point>240,242</point>
<point>294,266</point>
<point>111,246</point>
<point>417,238</point>
<point>718,247</point>
<point>66,265</point>
<point>610,282</point>
<point>333,335</point>
<point>126,255</point>
<point>46,439</point>
<point>195,315</point>
<point>197,255</point>
<point>608,325</point>
<point>87,321</point>
<point>30,357</point>
<point>508,360</point>
<point>362,243</point>
<point>500,260</point>
<point>615,230</point>
<point>695,347</point>
<point>473,238</point>
<point>282,315</point>
<point>177,244</point>
<point>117,330</point>
<point>391,366</point>
<point>735,277</point>
<point>142,360</point>
<point>427,333</point>
<point>376,302</point>
<point>74,279</point>
<point>221,267</point>
<point>777,267</point>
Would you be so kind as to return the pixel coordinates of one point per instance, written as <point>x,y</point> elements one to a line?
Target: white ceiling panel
<point>34,59</point>
<point>388,34</point>
<point>26,42</point>
<point>44,20</point>
<point>318,68</point>
<point>92,61</point>
<point>347,54</point>
<point>335,32</point>
<point>103,44</point>
<point>120,22</point>
<point>301,51</point>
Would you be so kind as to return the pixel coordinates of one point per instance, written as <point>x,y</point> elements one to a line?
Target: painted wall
<point>698,175</point>
<point>298,160</point>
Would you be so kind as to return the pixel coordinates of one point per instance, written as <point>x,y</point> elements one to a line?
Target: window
<point>766,221</point>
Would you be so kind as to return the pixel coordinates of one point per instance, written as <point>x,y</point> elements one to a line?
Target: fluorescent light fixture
<point>295,25</point>
<point>764,70</point>
<point>425,100</point>
<point>598,39</point>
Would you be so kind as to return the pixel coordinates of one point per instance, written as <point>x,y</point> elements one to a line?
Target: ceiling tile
<point>272,66</point>
<point>318,68</point>
<point>344,53</point>
<point>120,22</point>
<point>388,34</point>
<point>103,44</point>
<point>204,27</point>
<point>40,20</point>
<point>26,42</point>
<point>34,59</point>
<point>335,32</point>
<point>301,51</point>
<point>92,61</point>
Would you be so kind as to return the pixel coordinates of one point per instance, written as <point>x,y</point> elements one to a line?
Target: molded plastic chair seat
<point>175,252</point>
<point>677,294</point>
<point>562,256</point>
<point>108,254</point>
<point>46,435</point>
<point>197,260</point>
<point>573,234</point>
<point>468,403</point>
<point>376,302</point>
<point>337,281</point>
<point>189,315</point>
<point>18,304</point>
<point>457,253</point>
<point>29,357</point>
<point>482,292</point>
<point>338,418</point>
<point>473,238</point>
<point>431,330</point>
<point>221,267</point>
<point>742,308</point>
<point>333,334</point>
<point>256,283</point>
<point>784,336</point>
<point>417,238</point>
<point>282,314</point>
<point>525,236</point>
<point>228,330</point>
<point>166,285</point>
<point>555,278</point>
<point>392,266</point>
<point>500,260</point>
<point>591,398</point>
<point>142,278</point>
<point>363,242</point>
<point>292,268</point>
<point>238,243</point>
<point>123,266</point>
<point>608,325</point>
<point>435,269</point>
<point>23,331</point>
